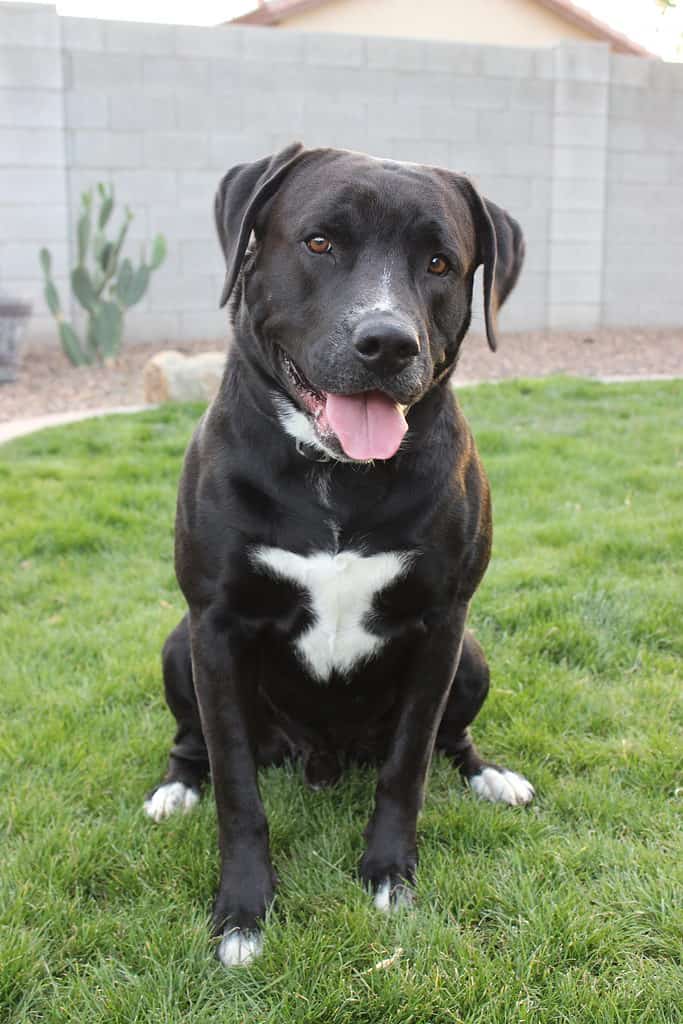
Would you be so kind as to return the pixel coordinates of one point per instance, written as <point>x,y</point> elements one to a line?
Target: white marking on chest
<point>341,589</point>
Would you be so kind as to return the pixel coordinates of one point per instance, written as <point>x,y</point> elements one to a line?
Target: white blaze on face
<point>340,588</point>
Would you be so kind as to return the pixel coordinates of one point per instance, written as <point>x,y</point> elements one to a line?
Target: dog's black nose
<point>385,345</point>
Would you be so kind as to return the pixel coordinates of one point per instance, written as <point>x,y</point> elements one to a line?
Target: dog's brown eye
<point>439,265</point>
<point>319,245</point>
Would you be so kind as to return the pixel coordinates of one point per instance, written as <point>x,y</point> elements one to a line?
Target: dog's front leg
<point>388,865</point>
<point>226,694</point>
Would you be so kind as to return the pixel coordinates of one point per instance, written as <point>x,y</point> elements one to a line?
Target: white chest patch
<point>340,588</point>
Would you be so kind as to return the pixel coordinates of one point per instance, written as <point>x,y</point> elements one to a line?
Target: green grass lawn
<point>569,911</point>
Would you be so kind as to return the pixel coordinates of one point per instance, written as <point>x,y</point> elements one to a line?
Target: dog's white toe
<point>171,798</point>
<point>389,901</point>
<point>238,948</point>
<point>502,786</point>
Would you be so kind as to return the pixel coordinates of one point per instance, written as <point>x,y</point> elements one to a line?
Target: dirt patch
<point>48,384</point>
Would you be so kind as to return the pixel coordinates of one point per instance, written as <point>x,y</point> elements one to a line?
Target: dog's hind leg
<point>468,693</point>
<point>188,763</point>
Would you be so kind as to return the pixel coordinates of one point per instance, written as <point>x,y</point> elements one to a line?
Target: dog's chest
<point>340,589</point>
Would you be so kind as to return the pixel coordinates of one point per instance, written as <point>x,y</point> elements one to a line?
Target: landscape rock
<point>170,376</point>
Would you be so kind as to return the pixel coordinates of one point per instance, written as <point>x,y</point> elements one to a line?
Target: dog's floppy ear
<point>510,245</point>
<point>501,250</point>
<point>240,196</point>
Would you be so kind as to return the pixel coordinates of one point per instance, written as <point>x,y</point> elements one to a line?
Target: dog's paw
<point>238,948</point>
<point>391,895</point>
<point>170,798</point>
<point>501,786</point>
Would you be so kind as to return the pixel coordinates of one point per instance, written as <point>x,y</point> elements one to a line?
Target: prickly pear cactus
<point>104,287</point>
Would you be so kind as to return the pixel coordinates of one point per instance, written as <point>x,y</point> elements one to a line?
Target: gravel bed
<point>48,384</point>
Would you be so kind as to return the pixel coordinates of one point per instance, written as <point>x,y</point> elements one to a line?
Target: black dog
<point>333,518</point>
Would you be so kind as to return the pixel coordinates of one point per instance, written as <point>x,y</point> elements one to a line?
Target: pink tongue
<point>369,426</point>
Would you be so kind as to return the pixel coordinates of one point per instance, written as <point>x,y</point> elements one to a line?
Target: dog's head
<point>356,281</point>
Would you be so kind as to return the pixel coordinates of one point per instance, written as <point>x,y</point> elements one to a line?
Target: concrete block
<point>531,94</point>
<point>186,150</point>
<point>261,114</point>
<point>506,125</point>
<point>33,223</point>
<point>582,61</point>
<point>198,293</point>
<point>86,109</point>
<point>332,49</point>
<point>206,326</point>
<point>185,220</point>
<point>89,148</point>
<point>145,326</point>
<point>200,257</point>
<point>395,120</point>
<point>82,33</point>
<point>646,167</point>
<point>573,316</point>
<point>274,45</point>
<point>627,69</point>
<point>481,93</point>
<point>424,87</point>
<point>34,147</point>
<point>198,109</point>
<point>29,26</point>
<point>398,54</point>
<point>579,193</point>
<point>444,122</point>
<point>138,37</point>
<point>576,130</point>
<point>456,58</point>
<point>526,159</point>
<point>91,72</point>
<point>433,153</point>
<point>512,193</point>
<point>581,97</point>
<point>227,150</point>
<point>225,41</point>
<point>346,83</point>
<point>630,102</point>
<point>40,186</point>
<point>30,108</point>
<point>544,63</point>
<point>29,68</point>
<point>575,225</point>
<point>579,162</point>
<point>542,129</point>
<point>628,135</point>
<point>197,186</point>
<point>508,61</point>
<point>175,73</point>
<point>133,112</point>
<point>342,125</point>
<point>576,257</point>
<point>20,259</point>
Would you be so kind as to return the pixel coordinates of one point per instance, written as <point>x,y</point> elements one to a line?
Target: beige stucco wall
<point>509,22</point>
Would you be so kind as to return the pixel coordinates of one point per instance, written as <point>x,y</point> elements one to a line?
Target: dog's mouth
<point>367,425</point>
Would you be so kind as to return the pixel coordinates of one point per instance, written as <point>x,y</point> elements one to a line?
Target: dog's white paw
<point>390,898</point>
<point>502,786</point>
<point>170,798</point>
<point>238,948</point>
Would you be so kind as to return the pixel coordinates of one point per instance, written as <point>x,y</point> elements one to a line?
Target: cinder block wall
<point>571,140</point>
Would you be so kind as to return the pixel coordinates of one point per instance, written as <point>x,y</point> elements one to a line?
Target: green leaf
<point>158,252</point>
<point>105,211</point>
<point>124,282</point>
<point>138,285</point>
<point>106,328</point>
<point>52,298</point>
<point>83,288</point>
<point>83,232</point>
<point>45,261</point>
<point>106,255</point>
<point>71,344</point>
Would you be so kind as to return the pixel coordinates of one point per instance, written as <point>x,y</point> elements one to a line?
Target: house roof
<point>272,12</point>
